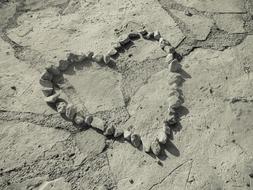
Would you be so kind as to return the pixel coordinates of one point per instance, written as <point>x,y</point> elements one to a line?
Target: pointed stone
<point>127,134</point>
<point>118,132</point>
<point>88,119</point>
<point>53,98</point>
<point>109,131</point>
<point>70,111</point>
<point>136,140</point>
<point>61,107</point>
<point>162,137</point>
<point>157,35</point>
<point>174,66</point>
<point>155,147</point>
<point>47,91</point>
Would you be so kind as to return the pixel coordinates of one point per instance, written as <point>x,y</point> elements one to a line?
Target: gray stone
<point>61,107</point>
<point>157,35</point>
<point>118,132</point>
<point>166,129</point>
<point>163,43</point>
<point>174,102</point>
<point>171,119</point>
<point>98,58</point>
<point>47,76</point>
<point>116,45</point>
<point>112,52</point>
<point>169,58</point>
<point>124,39</point>
<point>71,111</point>
<point>134,35</point>
<point>109,130</point>
<point>146,146</point>
<point>63,65</point>
<point>79,120</point>
<point>149,35</point>
<point>107,58</point>
<point>168,49</point>
<point>46,83</point>
<point>88,119</point>
<point>155,147</point>
<point>90,54</point>
<point>53,70</point>
<point>162,137</point>
<point>47,91</point>
<point>53,98</point>
<point>127,134</point>
<point>187,12</point>
<point>98,123</point>
<point>174,66</point>
<point>136,140</point>
<point>143,32</point>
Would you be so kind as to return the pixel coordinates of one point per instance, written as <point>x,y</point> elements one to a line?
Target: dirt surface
<point>211,148</point>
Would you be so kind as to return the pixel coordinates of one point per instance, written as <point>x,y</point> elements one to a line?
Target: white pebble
<point>155,147</point>
<point>127,134</point>
<point>162,137</point>
<point>88,119</point>
<point>157,35</point>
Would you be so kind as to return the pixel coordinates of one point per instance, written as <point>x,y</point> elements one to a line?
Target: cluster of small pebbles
<point>53,77</point>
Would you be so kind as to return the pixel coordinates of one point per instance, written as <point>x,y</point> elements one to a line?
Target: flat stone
<point>174,66</point>
<point>47,91</point>
<point>199,26</point>
<point>98,123</point>
<point>231,23</point>
<point>162,137</point>
<point>70,111</point>
<point>155,147</point>
<point>109,130</point>
<point>61,107</point>
<point>135,140</point>
<point>57,184</point>
<point>53,98</point>
<point>118,132</point>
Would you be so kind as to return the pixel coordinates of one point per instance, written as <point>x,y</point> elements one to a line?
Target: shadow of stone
<point>172,149</point>
<point>184,74</point>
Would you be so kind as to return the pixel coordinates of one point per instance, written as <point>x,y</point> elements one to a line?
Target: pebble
<point>109,131</point>
<point>134,35</point>
<point>47,91</point>
<point>118,132</point>
<point>171,120</point>
<point>53,70</point>
<point>72,58</point>
<point>88,119</point>
<point>174,66</point>
<point>166,129</point>
<point>46,83</point>
<point>81,57</point>
<point>116,45</point>
<point>187,12</point>
<point>98,124</point>
<point>163,43</point>
<point>124,39</point>
<point>155,147</point>
<point>168,49</point>
<point>71,111</point>
<point>107,58</point>
<point>63,65</point>
<point>127,134</point>
<point>90,54</point>
<point>79,120</point>
<point>143,32</point>
<point>174,102</point>
<point>61,107</point>
<point>46,76</point>
<point>162,137</point>
<point>98,58</point>
<point>149,35</point>
<point>157,35</point>
<point>169,58</point>
<point>52,98</point>
<point>136,140</point>
<point>112,52</point>
<point>146,146</point>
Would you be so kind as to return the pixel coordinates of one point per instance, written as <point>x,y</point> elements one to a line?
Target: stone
<point>118,132</point>
<point>79,120</point>
<point>166,129</point>
<point>143,32</point>
<point>174,102</point>
<point>88,119</point>
<point>149,35</point>
<point>82,57</point>
<point>98,58</point>
<point>187,12</point>
<point>72,58</point>
<point>127,134</point>
<point>63,65</point>
<point>71,111</point>
<point>46,83</point>
<point>163,43</point>
<point>174,66</point>
<point>61,107</point>
<point>155,147</point>
<point>57,184</point>
<point>157,35</point>
<point>146,146</point>
<point>169,58</point>
<point>47,91</point>
<point>171,120</point>
<point>53,98</point>
<point>116,45</point>
<point>162,137</point>
<point>134,35</point>
<point>98,123</point>
<point>90,54</point>
<point>124,39</point>
<point>109,130</point>
<point>112,52</point>
<point>46,76</point>
<point>107,58</point>
<point>168,49</point>
<point>136,140</point>
<point>53,70</point>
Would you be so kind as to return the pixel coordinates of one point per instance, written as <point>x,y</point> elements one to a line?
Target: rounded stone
<point>88,119</point>
<point>118,132</point>
<point>90,54</point>
<point>71,111</point>
<point>124,39</point>
<point>127,134</point>
<point>79,120</point>
<point>61,107</point>
<point>136,140</point>
<point>98,58</point>
<point>46,83</point>
<point>109,130</point>
<point>112,52</point>
<point>166,129</point>
<point>155,147</point>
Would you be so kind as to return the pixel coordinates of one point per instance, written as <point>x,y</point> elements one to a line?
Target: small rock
<point>149,35</point>
<point>134,35</point>
<point>79,120</point>
<point>155,147</point>
<point>63,65</point>
<point>70,111</point>
<point>162,137</point>
<point>47,91</point>
<point>174,66</point>
<point>163,43</point>
<point>88,119</point>
<point>90,54</point>
<point>73,58</point>
<point>146,146</point>
<point>112,52</point>
<point>81,57</point>
<point>116,45</point>
<point>169,58</point>
<point>168,49</point>
<point>187,12</point>
<point>47,76</point>
<point>166,129</point>
<point>143,32</point>
<point>157,35</point>
<point>46,83</point>
<point>174,102</point>
<point>127,134</point>
<point>53,70</point>
<point>124,39</point>
<point>131,181</point>
<point>107,58</point>
<point>53,98</point>
<point>136,140</point>
<point>109,131</point>
<point>171,120</point>
<point>61,107</point>
<point>98,124</point>
<point>98,58</point>
<point>251,175</point>
<point>118,132</point>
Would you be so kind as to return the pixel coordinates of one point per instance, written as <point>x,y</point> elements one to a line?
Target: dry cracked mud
<point>211,148</point>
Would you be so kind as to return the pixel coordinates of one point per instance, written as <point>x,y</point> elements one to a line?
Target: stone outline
<point>53,77</point>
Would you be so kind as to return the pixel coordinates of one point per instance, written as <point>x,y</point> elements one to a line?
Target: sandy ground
<point>212,148</point>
